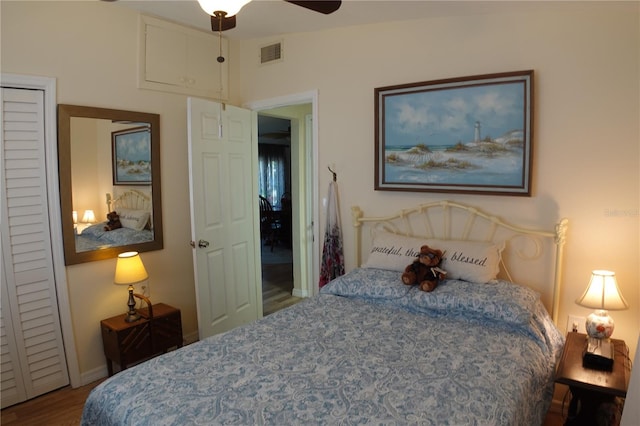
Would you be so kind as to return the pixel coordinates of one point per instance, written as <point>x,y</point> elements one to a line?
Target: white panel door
<point>33,359</point>
<point>223,216</point>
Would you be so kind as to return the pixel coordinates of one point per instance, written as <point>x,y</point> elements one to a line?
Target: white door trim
<point>297,99</point>
<point>48,86</point>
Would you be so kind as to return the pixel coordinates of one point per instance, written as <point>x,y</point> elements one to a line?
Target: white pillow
<point>393,252</point>
<point>474,261</point>
<point>134,219</point>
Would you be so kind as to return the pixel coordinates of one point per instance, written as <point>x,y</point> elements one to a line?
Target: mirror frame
<point>65,113</point>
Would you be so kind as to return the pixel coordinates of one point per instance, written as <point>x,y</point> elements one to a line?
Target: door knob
<point>201,244</point>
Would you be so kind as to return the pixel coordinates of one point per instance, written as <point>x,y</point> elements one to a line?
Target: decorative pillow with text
<point>474,261</point>
<point>134,219</point>
<point>393,252</point>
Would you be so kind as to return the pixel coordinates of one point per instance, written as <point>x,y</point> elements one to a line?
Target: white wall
<point>586,126</point>
<point>586,144</point>
<point>585,56</point>
<point>91,49</point>
<point>84,152</point>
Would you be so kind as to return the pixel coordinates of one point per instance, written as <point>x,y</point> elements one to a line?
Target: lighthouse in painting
<point>477,132</point>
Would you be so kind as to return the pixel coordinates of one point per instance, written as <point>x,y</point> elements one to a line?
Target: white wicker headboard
<point>532,257</point>
<point>132,199</point>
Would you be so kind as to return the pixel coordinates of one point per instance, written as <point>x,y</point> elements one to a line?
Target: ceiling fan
<point>223,12</point>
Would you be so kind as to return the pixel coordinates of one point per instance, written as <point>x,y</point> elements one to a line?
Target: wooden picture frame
<point>459,135</point>
<point>131,156</point>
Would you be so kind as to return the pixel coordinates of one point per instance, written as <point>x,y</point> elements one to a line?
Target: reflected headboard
<point>532,257</point>
<point>131,199</point>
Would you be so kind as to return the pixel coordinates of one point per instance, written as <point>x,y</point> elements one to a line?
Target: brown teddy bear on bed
<point>113,221</point>
<point>425,270</point>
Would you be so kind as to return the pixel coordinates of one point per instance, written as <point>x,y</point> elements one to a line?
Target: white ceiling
<point>265,18</point>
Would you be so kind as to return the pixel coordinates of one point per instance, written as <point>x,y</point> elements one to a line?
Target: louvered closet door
<point>32,353</point>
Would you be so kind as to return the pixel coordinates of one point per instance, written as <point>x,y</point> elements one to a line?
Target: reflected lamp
<point>129,271</point>
<point>89,216</point>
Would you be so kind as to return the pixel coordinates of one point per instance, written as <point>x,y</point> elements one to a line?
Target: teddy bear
<point>425,270</point>
<point>113,221</point>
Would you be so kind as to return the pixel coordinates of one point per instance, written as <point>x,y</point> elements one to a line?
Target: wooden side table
<point>126,343</point>
<point>589,387</point>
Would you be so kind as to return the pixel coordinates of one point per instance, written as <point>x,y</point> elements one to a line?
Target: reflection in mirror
<point>109,182</point>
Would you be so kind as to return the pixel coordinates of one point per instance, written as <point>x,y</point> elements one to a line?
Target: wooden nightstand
<point>589,387</point>
<point>129,342</point>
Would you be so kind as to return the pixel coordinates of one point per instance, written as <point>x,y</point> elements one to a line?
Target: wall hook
<point>335,176</point>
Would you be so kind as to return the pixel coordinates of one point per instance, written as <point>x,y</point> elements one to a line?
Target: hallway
<point>277,279</point>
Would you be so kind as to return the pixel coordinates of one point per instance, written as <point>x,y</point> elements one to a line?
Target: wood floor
<point>277,285</point>
<point>58,408</point>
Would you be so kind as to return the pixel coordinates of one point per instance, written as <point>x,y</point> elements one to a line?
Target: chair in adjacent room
<point>285,219</point>
<point>270,224</point>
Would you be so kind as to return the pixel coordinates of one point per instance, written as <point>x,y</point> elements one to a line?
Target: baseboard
<point>190,338</point>
<point>93,375</point>
<point>297,292</point>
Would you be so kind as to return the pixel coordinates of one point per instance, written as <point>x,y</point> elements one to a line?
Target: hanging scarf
<point>332,265</point>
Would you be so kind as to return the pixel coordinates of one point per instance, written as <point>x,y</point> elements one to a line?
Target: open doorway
<point>302,111</point>
<point>275,198</point>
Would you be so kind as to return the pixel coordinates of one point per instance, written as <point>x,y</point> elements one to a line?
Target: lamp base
<point>599,325</point>
<point>598,354</point>
<point>132,315</point>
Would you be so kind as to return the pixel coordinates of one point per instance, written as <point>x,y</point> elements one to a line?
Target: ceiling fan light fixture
<point>228,7</point>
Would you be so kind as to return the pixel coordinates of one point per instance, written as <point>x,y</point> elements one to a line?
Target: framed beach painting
<point>132,156</point>
<point>465,135</point>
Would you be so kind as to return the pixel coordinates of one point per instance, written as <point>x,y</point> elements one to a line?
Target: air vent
<point>271,53</point>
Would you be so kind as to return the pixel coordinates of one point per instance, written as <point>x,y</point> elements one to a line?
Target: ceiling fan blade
<point>321,6</point>
<point>227,23</point>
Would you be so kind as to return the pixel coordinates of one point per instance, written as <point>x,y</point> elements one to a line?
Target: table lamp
<point>603,295</point>
<point>89,216</point>
<point>129,271</point>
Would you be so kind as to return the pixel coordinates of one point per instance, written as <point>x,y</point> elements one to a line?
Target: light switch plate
<point>576,323</point>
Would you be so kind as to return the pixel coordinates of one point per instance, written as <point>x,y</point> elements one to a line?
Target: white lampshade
<point>129,269</point>
<point>89,216</point>
<point>230,7</point>
<point>74,214</point>
<point>603,292</point>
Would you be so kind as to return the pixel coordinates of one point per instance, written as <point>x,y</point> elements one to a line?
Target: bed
<point>134,208</point>
<point>479,349</point>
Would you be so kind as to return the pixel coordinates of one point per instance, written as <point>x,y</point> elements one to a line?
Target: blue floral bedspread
<point>367,350</point>
<point>96,238</point>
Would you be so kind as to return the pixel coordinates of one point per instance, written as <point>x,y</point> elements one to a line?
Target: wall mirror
<point>109,160</point>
